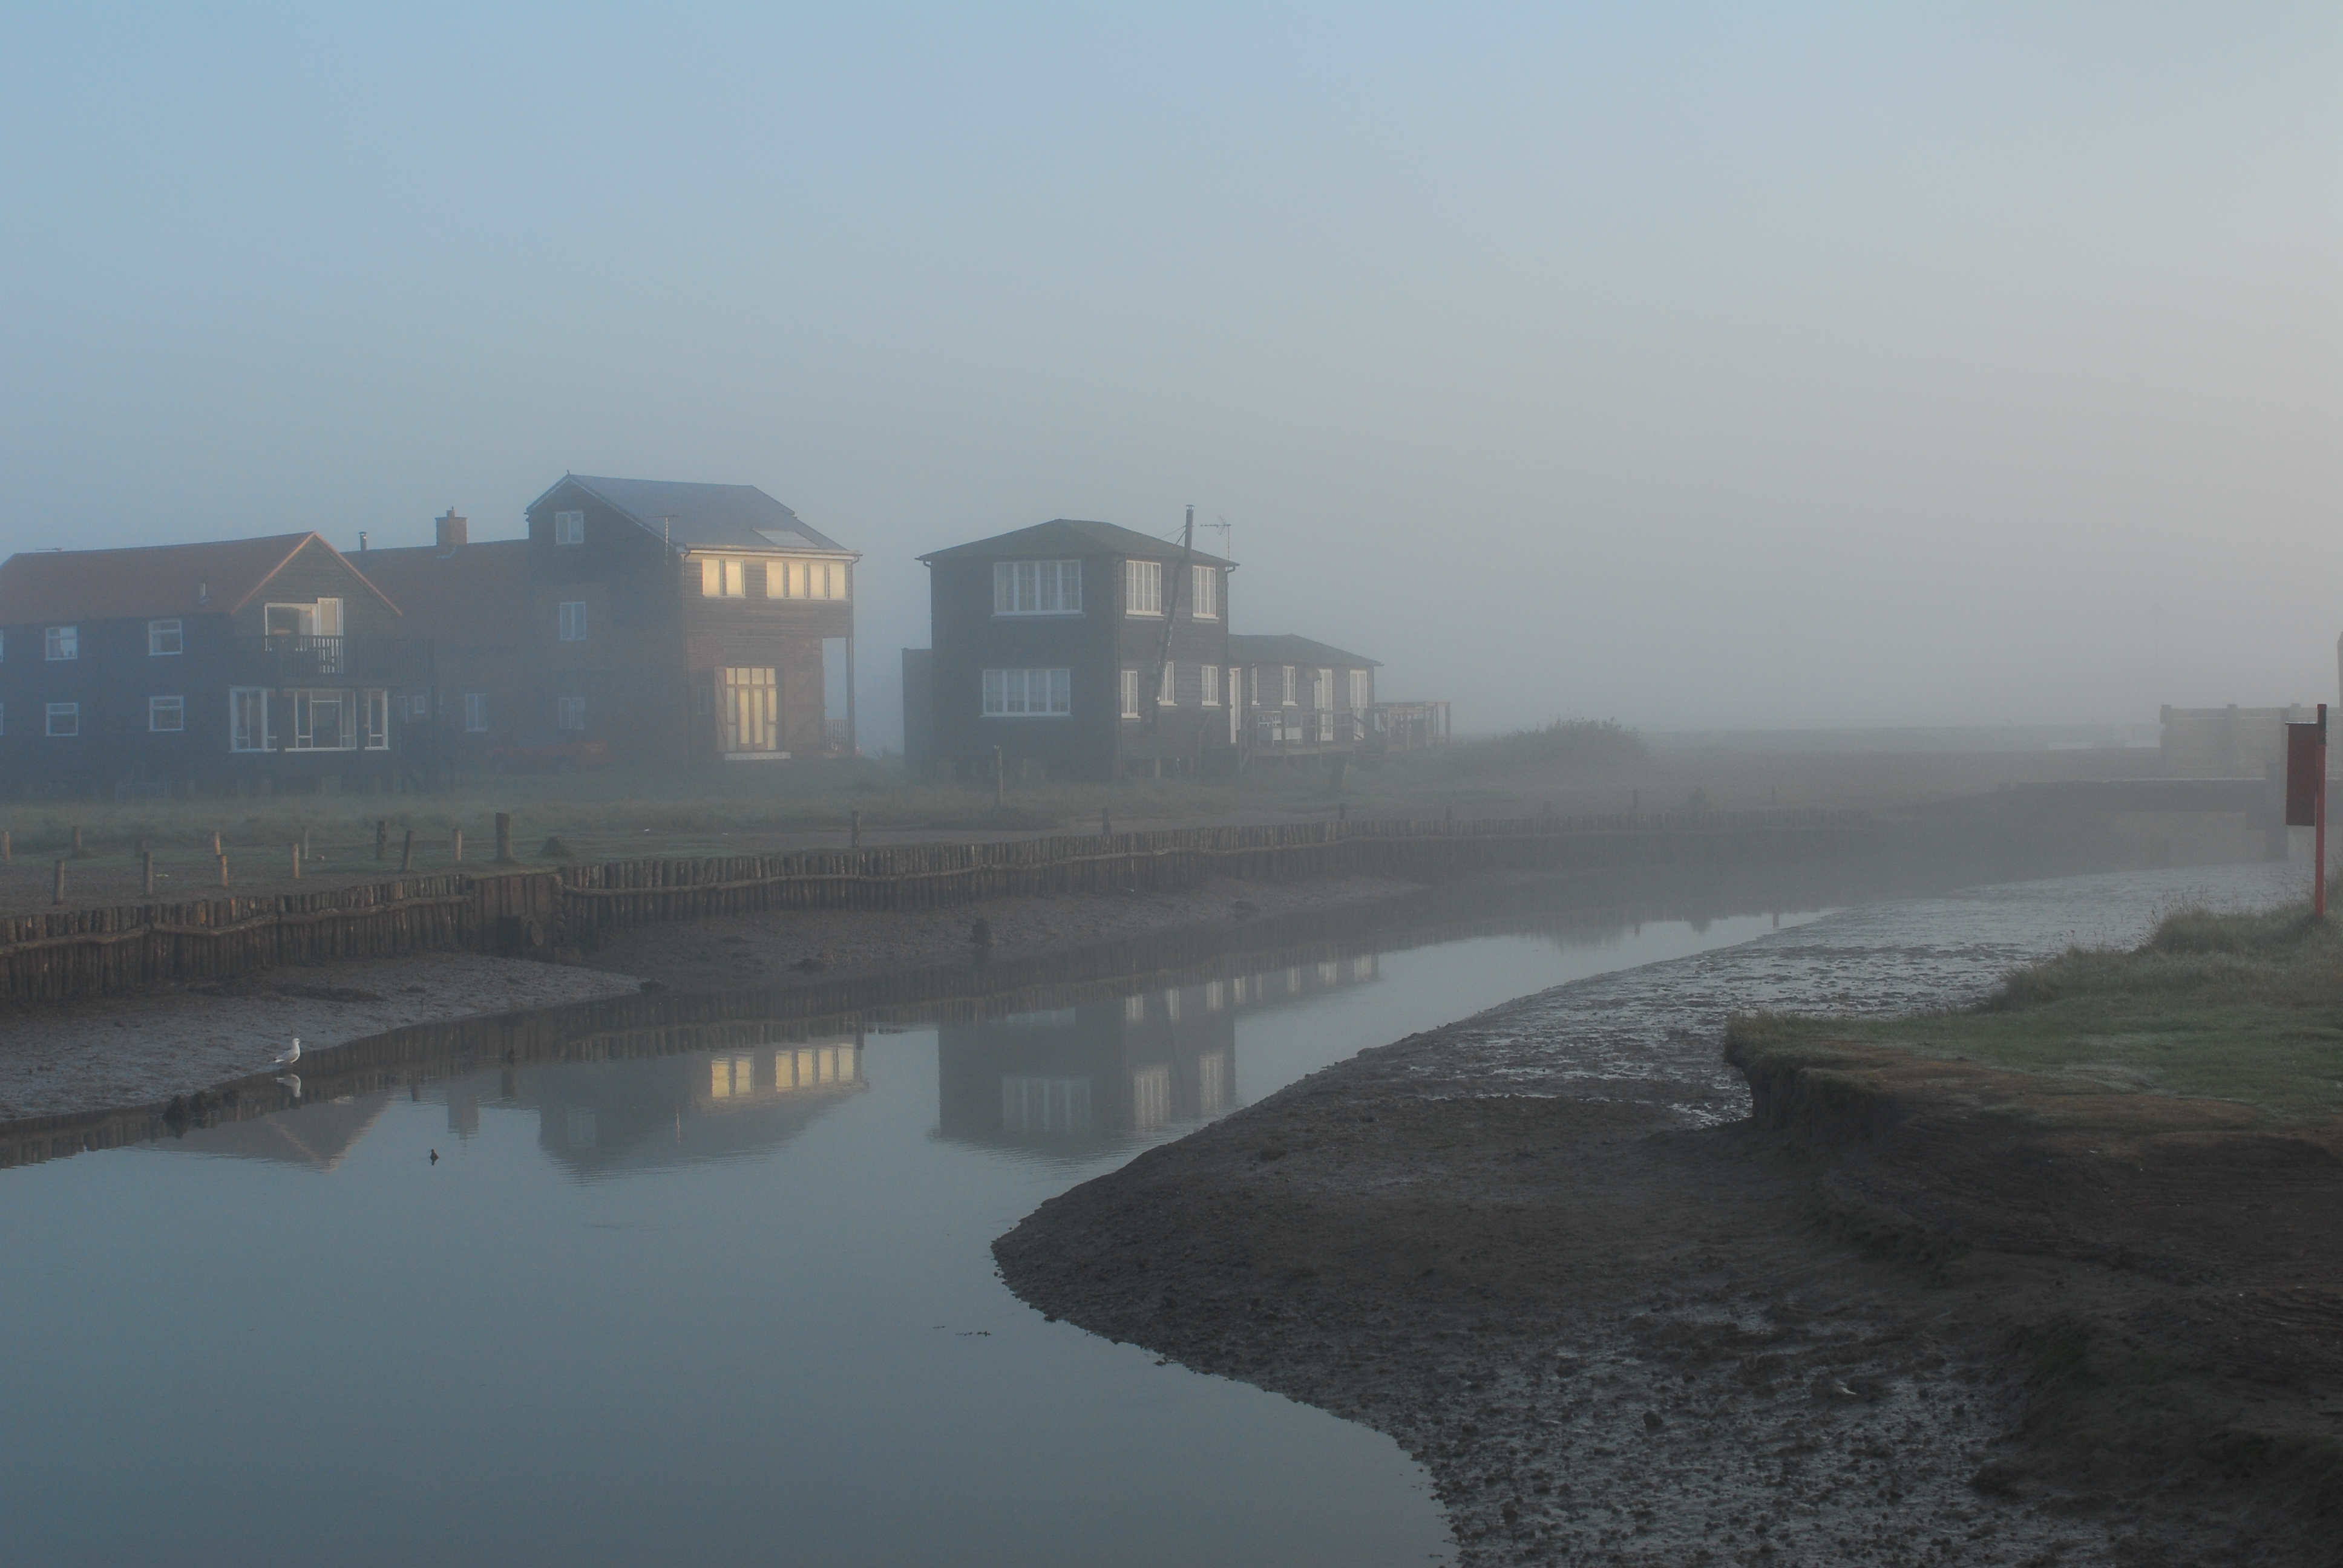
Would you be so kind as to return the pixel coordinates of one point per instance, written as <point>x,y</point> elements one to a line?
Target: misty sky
<point>1691,366</point>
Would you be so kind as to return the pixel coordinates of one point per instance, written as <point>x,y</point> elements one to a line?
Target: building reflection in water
<point>320,1134</point>
<point>1100,1072</point>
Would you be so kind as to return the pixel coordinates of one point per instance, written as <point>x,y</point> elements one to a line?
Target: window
<point>1285,688</point>
<point>65,718</point>
<point>1142,588</point>
<point>570,713</point>
<point>1362,688</point>
<point>1037,587</point>
<point>1321,690</point>
<point>720,579</point>
<point>418,705</point>
<point>324,721</point>
<point>1253,687</point>
<point>1211,676</point>
<point>475,713</point>
<point>164,637</point>
<point>63,642</point>
<point>1131,694</point>
<point>568,528</point>
<point>752,710</point>
<point>1167,694</point>
<point>247,718</point>
<point>167,713</point>
<point>1028,693</point>
<point>378,720</point>
<point>573,621</point>
<point>1208,592</point>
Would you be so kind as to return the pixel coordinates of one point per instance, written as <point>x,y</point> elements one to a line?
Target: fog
<point>1694,366</point>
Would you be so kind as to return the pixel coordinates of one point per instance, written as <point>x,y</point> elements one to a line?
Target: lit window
<point>1210,675</point>
<point>721,579</point>
<point>573,621</point>
<point>63,642</point>
<point>1037,587</point>
<point>1142,588</point>
<point>568,528</point>
<point>247,718</point>
<point>164,637</point>
<point>1028,693</point>
<point>476,712</point>
<point>1131,694</point>
<point>167,713</point>
<point>378,720</point>
<point>1167,694</point>
<point>65,718</point>
<point>1208,592</point>
<point>570,713</point>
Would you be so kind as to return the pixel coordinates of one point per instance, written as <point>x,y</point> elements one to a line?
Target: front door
<point>751,710</point>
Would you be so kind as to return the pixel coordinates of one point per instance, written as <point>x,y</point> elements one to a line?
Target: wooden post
<point>295,847</point>
<point>149,856</point>
<point>223,865</point>
<point>215,843</point>
<point>457,837</point>
<point>407,854</point>
<point>1106,823</point>
<point>7,846</point>
<point>382,841</point>
<point>57,889</point>
<point>504,838</point>
<point>1342,812</point>
<point>304,843</point>
<point>854,828</point>
<point>76,840</point>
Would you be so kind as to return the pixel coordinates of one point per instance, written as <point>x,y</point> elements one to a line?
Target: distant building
<point>1304,698</point>
<point>239,665</point>
<point>2229,743</point>
<point>1083,647</point>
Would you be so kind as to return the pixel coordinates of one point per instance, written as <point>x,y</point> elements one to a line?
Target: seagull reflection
<point>292,1080</point>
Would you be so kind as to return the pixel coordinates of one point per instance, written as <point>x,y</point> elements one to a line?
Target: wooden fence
<point>75,954</point>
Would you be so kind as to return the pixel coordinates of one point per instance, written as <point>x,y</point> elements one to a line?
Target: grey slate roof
<point>706,516</point>
<point>1074,537</point>
<point>1284,647</point>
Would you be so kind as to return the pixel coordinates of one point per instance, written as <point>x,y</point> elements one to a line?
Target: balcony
<point>292,659</point>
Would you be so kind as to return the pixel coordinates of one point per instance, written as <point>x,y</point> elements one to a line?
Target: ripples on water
<point>719,1291</point>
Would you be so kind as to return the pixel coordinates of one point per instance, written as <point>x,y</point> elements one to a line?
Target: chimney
<point>455,532</point>
<point>362,533</point>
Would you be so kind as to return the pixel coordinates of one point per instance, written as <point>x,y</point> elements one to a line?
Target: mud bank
<point>1547,1249</point>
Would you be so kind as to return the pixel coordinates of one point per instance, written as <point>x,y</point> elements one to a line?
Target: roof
<point>218,577</point>
<point>1074,537</point>
<point>705,517</point>
<point>1284,647</point>
<point>463,597</point>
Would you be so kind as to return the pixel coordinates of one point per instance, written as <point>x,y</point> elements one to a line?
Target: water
<point>710,1292</point>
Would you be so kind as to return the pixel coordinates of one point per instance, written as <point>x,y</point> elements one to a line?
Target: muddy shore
<point>1548,1250</point>
<point>135,1049</point>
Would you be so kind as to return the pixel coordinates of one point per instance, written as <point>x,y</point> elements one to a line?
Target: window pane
<point>1062,691</point>
<point>1004,588</point>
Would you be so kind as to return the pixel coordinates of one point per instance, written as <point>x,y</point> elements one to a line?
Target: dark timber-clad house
<point>1087,648</point>
<point>239,665</point>
<point>466,600</point>
<point>673,620</point>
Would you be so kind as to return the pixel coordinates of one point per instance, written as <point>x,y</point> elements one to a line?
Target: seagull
<point>290,1056</point>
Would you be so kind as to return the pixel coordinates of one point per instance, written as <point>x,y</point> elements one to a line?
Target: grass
<point>2247,1008</point>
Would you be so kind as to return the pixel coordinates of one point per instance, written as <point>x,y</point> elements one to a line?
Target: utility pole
<point>1170,616</point>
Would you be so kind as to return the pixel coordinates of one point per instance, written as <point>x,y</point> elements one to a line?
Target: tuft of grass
<point>1566,744</point>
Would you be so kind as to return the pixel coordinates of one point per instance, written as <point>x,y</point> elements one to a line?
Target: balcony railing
<point>1384,727</point>
<point>297,656</point>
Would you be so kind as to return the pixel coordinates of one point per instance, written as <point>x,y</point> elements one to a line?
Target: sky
<point>1694,366</point>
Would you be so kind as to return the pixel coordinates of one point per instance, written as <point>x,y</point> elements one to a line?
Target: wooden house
<point>1303,697</point>
<point>235,665</point>
<point>1087,649</point>
<point>463,598</point>
<point>688,620</point>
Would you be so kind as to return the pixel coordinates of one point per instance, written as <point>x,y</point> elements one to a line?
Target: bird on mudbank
<point>292,1054</point>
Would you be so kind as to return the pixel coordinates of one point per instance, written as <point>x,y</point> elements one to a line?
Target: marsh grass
<point>2239,1007</point>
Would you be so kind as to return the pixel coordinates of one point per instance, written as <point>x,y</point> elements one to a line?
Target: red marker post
<point>2305,797</point>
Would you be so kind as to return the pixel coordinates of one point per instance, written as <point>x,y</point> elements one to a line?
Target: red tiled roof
<point>218,577</point>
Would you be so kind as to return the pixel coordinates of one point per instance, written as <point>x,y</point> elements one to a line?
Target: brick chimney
<point>455,532</point>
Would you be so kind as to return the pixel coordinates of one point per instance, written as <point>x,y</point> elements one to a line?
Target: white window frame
<point>345,734</point>
<point>1142,588</point>
<point>475,713</point>
<point>1168,694</point>
<point>1325,694</point>
<point>245,704</point>
<point>60,643</point>
<point>1285,688</point>
<point>1029,694</point>
<point>569,528</point>
<point>159,632</point>
<point>1131,694</point>
<point>68,711</point>
<point>376,700</point>
<point>573,620</point>
<point>159,707</point>
<point>1362,689</point>
<point>1208,679</point>
<point>1206,586</point>
<point>1037,587</point>
<point>569,714</point>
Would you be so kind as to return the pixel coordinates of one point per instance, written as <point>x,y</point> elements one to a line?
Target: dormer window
<point>62,641</point>
<point>568,528</point>
<point>1037,587</point>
